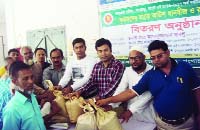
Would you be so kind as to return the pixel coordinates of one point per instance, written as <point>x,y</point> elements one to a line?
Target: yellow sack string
<point>73,108</point>
<point>106,120</point>
<point>87,121</point>
<point>59,98</point>
<point>61,103</point>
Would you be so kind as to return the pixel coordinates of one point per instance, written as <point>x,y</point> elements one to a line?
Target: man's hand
<point>67,90</point>
<point>76,93</point>
<point>102,102</point>
<point>59,87</point>
<point>125,116</point>
<point>107,107</point>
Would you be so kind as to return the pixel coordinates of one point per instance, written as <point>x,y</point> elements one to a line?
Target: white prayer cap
<point>137,48</point>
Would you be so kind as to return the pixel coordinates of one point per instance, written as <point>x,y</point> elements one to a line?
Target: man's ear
<point>168,52</point>
<point>14,80</point>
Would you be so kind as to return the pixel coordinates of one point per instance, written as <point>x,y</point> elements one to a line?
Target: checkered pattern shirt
<point>105,78</point>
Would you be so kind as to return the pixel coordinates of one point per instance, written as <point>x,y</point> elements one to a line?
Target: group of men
<point>163,94</point>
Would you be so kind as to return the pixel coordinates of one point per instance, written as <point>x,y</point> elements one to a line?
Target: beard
<point>29,92</point>
<point>138,68</point>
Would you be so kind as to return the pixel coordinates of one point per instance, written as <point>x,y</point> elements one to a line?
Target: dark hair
<point>78,40</point>
<point>103,41</point>
<point>37,49</point>
<point>13,50</point>
<point>157,44</point>
<point>17,66</point>
<point>57,49</point>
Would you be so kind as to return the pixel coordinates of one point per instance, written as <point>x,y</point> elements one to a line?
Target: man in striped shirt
<point>106,74</point>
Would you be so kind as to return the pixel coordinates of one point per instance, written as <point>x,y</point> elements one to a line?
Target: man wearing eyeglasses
<point>172,84</point>
<point>139,108</point>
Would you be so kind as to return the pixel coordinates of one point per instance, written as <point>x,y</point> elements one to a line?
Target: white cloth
<point>140,105</point>
<point>78,70</point>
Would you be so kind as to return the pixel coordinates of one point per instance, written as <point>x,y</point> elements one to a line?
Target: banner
<point>175,22</point>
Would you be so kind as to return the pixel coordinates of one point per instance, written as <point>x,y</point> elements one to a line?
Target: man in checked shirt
<point>106,74</point>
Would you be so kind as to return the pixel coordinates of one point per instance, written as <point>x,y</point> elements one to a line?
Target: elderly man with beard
<point>22,112</point>
<point>27,53</point>
<point>139,108</point>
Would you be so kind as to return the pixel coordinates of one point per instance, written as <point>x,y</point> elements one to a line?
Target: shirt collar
<point>21,98</point>
<point>111,62</point>
<point>51,67</point>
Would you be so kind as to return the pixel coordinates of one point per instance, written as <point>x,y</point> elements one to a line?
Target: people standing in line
<point>172,84</point>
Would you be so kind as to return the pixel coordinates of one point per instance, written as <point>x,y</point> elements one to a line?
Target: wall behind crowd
<point>23,16</point>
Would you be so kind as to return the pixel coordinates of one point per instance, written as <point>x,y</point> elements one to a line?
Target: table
<point>131,125</point>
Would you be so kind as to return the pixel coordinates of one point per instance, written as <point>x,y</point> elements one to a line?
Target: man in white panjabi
<point>139,111</point>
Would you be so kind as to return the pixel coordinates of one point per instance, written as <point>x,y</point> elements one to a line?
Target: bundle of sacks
<point>86,115</point>
<point>57,108</point>
<point>95,118</point>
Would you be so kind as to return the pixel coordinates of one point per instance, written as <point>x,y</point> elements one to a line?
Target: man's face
<point>14,55</point>
<point>56,58</point>
<point>79,49</point>
<point>9,62</point>
<point>40,56</point>
<point>27,54</point>
<point>136,60</point>
<point>24,80</point>
<point>104,53</point>
<point>160,58</point>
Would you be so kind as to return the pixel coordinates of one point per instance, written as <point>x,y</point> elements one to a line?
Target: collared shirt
<point>5,96</point>
<point>50,73</point>
<point>22,113</point>
<point>79,70</point>
<point>130,78</point>
<point>105,78</point>
<point>172,93</point>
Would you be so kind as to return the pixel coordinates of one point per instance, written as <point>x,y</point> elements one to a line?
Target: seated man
<point>106,74</point>
<point>22,111</point>
<point>56,71</point>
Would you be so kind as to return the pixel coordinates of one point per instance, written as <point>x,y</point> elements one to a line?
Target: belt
<point>177,121</point>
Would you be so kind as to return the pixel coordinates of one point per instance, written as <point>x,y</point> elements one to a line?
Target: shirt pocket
<point>29,121</point>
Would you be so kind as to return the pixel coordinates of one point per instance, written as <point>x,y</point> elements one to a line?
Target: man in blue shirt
<point>172,84</point>
<point>22,112</point>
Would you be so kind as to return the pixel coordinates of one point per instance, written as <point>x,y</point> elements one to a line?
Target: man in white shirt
<point>139,108</point>
<point>78,69</point>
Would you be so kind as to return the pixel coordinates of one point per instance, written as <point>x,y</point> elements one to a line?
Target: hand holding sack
<point>73,108</point>
<point>59,98</point>
<point>87,121</point>
<point>106,120</point>
<point>61,102</point>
